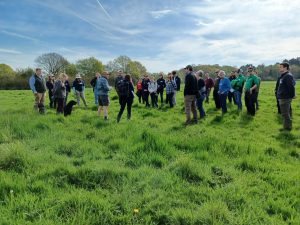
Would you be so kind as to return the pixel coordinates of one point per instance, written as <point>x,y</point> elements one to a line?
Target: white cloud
<point>160,13</point>
<point>10,51</point>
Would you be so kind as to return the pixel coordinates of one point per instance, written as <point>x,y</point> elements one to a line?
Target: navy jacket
<point>286,86</point>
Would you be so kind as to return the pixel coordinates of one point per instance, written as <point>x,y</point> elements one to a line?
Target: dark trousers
<point>66,98</point>
<point>170,99</point>
<point>51,99</point>
<point>217,99</point>
<point>146,97</point>
<point>161,93</point>
<point>250,100</point>
<point>60,105</point>
<point>125,101</point>
<point>200,105</point>
<point>207,94</point>
<point>223,98</point>
<point>139,94</point>
<point>285,107</point>
<point>154,99</point>
<point>231,97</point>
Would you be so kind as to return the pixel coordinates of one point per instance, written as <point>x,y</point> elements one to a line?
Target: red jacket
<point>139,86</point>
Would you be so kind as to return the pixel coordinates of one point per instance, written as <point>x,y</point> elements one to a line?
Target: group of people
<point>197,89</point>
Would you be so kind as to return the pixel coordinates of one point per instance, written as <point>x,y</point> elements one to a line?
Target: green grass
<point>82,170</point>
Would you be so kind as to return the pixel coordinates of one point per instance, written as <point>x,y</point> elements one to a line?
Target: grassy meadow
<point>81,170</point>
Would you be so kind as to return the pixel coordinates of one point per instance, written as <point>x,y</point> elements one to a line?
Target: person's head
<point>206,75</point>
<point>161,75</point>
<point>284,67</point>
<point>233,73</point>
<point>239,71</point>
<point>51,77</point>
<point>146,77</point>
<point>222,74</point>
<point>250,70</point>
<point>127,77</point>
<point>62,77</point>
<point>78,77</point>
<point>38,71</point>
<point>106,74</point>
<point>217,73</point>
<point>173,73</point>
<point>188,68</point>
<point>120,72</point>
<point>97,74</point>
<point>152,79</point>
<point>170,76</point>
<point>199,74</point>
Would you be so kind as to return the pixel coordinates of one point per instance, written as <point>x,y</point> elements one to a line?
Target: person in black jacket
<point>190,92</point>
<point>68,89</point>
<point>126,99</point>
<point>202,93</point>
<point>285,95</point>
<point>177,81</point>
<point>216,90</point>
<point>50,86</point>
<point>93,84</point>
<point>161,84</point>
<point>145,91</point>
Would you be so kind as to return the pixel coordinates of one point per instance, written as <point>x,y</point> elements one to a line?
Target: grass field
<point>151,170</point>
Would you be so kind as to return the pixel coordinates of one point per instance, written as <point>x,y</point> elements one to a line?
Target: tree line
<point>54,63</point>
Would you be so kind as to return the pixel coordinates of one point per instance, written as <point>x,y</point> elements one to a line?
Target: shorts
<point>103,100</point>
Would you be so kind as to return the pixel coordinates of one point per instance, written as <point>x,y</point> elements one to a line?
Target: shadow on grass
<point>245,119</point>
<point>217,119</point>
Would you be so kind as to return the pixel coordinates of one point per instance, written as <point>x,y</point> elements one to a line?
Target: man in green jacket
<point>251,85</point>
<point>237,84</point>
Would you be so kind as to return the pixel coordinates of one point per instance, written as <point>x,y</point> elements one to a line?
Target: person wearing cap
<point>224,88</point>
<point>161,84</point>
<point>78,88</point>
<point>209,84</point>
<point>202,93</point>
<point>38,87</point>
<point>250,91</point>
<point>285,95</point>
<point>190,92</point>
<point>238,84</point>
<point>177,81</point>
<point>102,89</point>
<point>216,91</point>
<point>117,80</point>
<point>93,84</point>
<point>50,86</point>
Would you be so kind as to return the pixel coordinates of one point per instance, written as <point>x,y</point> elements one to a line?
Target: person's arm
<point>31,84</point>
<point>290,84</point>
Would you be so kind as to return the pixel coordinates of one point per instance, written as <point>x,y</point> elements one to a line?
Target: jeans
<point>96,97</point>
<point>238,99</point>
<point>200,105</point>
<point>170,99</point>
<point>285,107</point>
<point>80,95</point>
<point>223,98</point>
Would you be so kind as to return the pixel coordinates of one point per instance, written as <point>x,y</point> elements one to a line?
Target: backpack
<point>123,88</point>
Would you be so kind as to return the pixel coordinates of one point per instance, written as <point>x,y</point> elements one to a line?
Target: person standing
<point>285,95</point>
<point>50,86</point>
<point>152,88</point>
<point>126,98</point>
<point>238,85</point>
<point>257,90</point>
<point>145,92</point>
<point>177,81</point>
<point>68,88</point>
<point>161,84</point>
<point>38,87</point>
<point>202,93</point>
<point>216,91</point>
<point>209,84</point>
<point>231,94</point>
<point>170,89</point>
<point>103,88</point>
<point>224,88</point>
<point>79,87</point>
<point>93,84</point>
<point>190,92</point>
<point>117,80</point>
<point>60,92</point>
<point>139,90</point>
<point>250,91</point>
<point>276,90</point>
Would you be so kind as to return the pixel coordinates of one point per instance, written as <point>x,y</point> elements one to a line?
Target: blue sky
<point>162,34</point>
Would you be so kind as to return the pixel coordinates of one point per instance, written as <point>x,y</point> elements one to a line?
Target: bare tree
<point>52,63</point>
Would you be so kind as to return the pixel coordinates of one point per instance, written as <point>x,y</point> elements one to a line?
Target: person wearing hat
<point>50,86</point>
<point>38,87</point>
<point>78,87</point>
<point>285,95</point>
<point>216,91</point>
<point>190,93</point>
<point>251,85</point>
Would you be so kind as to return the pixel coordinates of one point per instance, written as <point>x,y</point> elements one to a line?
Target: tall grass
<point>151,170</point>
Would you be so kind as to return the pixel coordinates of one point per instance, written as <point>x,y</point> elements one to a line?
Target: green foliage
<point>88,67</point>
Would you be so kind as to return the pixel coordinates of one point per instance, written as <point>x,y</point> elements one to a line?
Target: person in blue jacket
<point>102,89</point>
<point>38,86</point>
<point>224,88</point>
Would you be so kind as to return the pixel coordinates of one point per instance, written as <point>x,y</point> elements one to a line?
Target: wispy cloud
<point>160,13</point>
<point>10,51</point>
<point>19,35</point>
